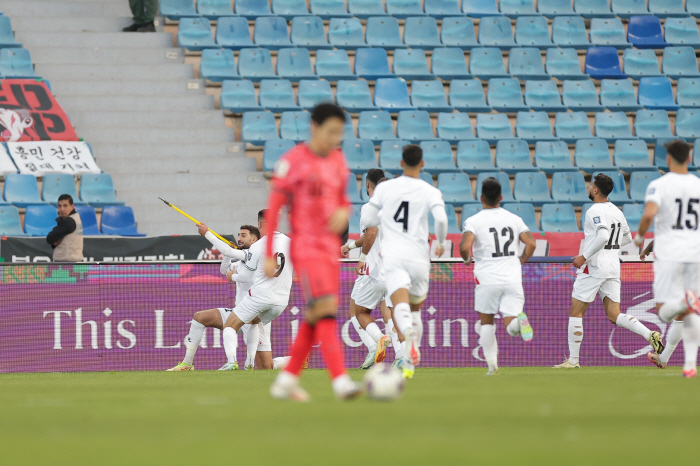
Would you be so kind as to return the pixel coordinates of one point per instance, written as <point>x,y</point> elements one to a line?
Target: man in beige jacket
<point>66,238</point>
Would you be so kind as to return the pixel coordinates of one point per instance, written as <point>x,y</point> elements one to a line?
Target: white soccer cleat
<point>369,360</point>
<point>348,390</point>
<point>493,372</point>
<point>691,298</point>
<point>411,351</point>
<point>229,367</point>
<point>525,327</point>
<point>656,360</point>
<point>289,390</point>
<point>567,365</point>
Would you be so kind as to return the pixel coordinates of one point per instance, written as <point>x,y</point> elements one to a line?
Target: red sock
<point>300,348</point>
<point>330,346</point>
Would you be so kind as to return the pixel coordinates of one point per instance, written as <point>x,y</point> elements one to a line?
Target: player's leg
<point>263,356</point>
<point>201,320</point>
<point>252,341</point>
<point>392,332</point>
<point>368,298</point>
<point>511,307</point>
<point>486,303</point>
<point>691,321</point>
<point>673,337</point>
<point>669,293</point>
<point>246,311</point>
<point>583,294</point>
<point>366,339</point>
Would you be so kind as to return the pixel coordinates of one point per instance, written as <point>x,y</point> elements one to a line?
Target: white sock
<point>374,332</point>
<point>575,326</point>
<point>417,324</point>
<point>366,339</point>
<point>673,337</point>
<point>402,317</point>
<point>513,328</point>
<point>230,344</point>
<point>192,341</point>
<point>691,339</point>
<point>632,324</point>
<point>398,350</point>
<point>252,344</point>
<point>488,343</point>
<point>281,362</point>
<point>670,310</point>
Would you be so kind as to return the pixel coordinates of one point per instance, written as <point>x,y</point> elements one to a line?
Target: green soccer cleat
<point>408,373</point>
<point>494,372</point>
<point>655,342</point>
<point>567,365</point>
<point>229,367</point>
<point>525,327</point>
<point>181,367</point>
<point>369,360</point>
<point>249,367</point>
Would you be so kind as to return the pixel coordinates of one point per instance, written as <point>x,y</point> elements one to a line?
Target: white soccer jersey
<point>676,235</point>
<point>373,263</point>
<point>404,205</point>
<point>241,287</point>
<point>496,246</point>
<point>606,262</point>
<point>275,290</point>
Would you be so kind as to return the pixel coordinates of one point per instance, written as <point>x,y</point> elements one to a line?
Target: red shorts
<point>318,276</point>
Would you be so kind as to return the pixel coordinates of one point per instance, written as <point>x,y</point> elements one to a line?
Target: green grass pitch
<point>592,416</point>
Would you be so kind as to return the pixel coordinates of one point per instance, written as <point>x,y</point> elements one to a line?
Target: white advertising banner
<point>41,157</point>
<point>6,165</point>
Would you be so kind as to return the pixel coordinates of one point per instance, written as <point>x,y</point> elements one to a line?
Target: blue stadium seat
<point>603,62</point>
<point>355,210</point>
<point>458,32</point>
<point>533,127</point>
<point>619,192</point>
<point>295,126</point>
<point>354,96</point>
<point>618,94</point>
<point>469,210</point>
<point>608,32</point>
<point>572,126</point>
<point>652,124</point>
<point>679,62</point>
<point>427,177</point>
<point>584,209</point>
<point>414,125</point>
<point>660,152</point>
<point>372,63</point>
<point>531,187</point>
<point>251,9</point>
<point>16,63</point>
<point>688,123</point>
<point>258,127</point>
<point>505,95</point>
<point>563,64</point>
<point>22,190</point>
<point>666,8</point>
<point>440,8</point>
<point>467,95</point>
<point>656,93</point>
<point>633,214</point>
<point>271,32</point>
<point>452,226</point>
<point>502,178</point>
<point>359,154</point>
<point>404,8</point>
<point>353,192</point>
<point>682,31</point>
<point>627,8</point>
<point>570,31</point>
<point>569,187</point>
<point>480,8</point>
<point>593,8</point>
<point>421,32</point>
<point>526,63</point>
<point>688,92</point>
<point>289,8</point>
<point>239,96</point>
<point>98,190</point>
<point>456,188</point>
<point>513,156</point>
<point>412,64</point>
<point>390,154</point>
<point>375,125</point>
<point>383,31</point>
<point>438,157</point>
<point>555,8</point>
<point>233,33</point>
<point>632,155</point>
<point>39,220</point>
<point>559,218</point>
<point>592,154</point>
<point>640,62</point>
<point>328,9</point>
<point>644,32</point>
<point>333,65</point>
<point>89,219</point>
<point>346,33</point>
<point>496,31</point>
<point>487,62</point>
<point>194,34</point>
<point>581,95</point>
<point>294,64</point>
<point>313,92</point>
<point>214,9</point>
<point>391,94</point>
<point>693,7</point>
<point>493,127</point>
<point>277,95</point>
<point>170,9</point>
<point>255,64</point>
<point>273,150</point>
<point>517,8</point>
<point>216,65</point>
<point>611,126</point>
<point>55,184</point>
<point>526,211</point>
<point>10,224</point>
<point>454,127</point>
<point>448,63</point>
<point>474,156</point>
<point>553,156</point>
<point>543,95</point>
<point>307,31</point>
<point>365,8</point>
<point>639,180</point>
<point>430,96</point>
<point>119,220</point>
<point>532,31</point>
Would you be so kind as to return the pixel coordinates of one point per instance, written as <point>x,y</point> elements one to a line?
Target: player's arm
<point>465,246</point>
<point>440,217</point>
<point>647,250</point>
<point>626,235</point>
<point>650,210</point>
<point>245,275</point>
<point>223,248</point>
<point>530,244</point>
<point>601,238</point>
<point>279,197</point>
<point>225,265</point>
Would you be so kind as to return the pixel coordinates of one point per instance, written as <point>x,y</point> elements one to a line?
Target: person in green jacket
<point>144,12</point>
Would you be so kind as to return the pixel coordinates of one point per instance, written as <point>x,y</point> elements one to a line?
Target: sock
<point>300,349</point>
<point>691,339</point>
<point>402,317</point>
<point>417,324</point>
<point>670,310</point>
<point>575,338</point>
<point>364,336</point>
<point>513,328</point>
<point>230,344</point>
<point>398,351</point>
<point>192,341</point>
<point>630,323</point>
<point>281,362</point>
<point>330,346</point>
<point>252,344</point>
<point>374,332</point>
<point>673,337</point>
<point>488,343</point>
<point>341,383</point>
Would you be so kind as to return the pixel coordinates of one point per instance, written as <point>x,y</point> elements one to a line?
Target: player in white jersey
<point>672,202</point>
<point>405,203</point>
<point>496,235</point>
<point>598,271</point>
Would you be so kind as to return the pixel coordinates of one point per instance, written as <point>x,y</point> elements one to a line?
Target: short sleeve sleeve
<point>522,227</point>
<point>597,220</point>
<point>652,194</point>
<point>377,199</point>
<point>469,226</point>
<point>254,253</point>
<point>436,198</point>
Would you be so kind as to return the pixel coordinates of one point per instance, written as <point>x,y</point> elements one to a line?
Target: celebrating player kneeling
<point>496,234</point>
<point>605,230</point>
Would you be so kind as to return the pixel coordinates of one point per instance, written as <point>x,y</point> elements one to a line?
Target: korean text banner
<point>42,157</point>
<point>134,317</point>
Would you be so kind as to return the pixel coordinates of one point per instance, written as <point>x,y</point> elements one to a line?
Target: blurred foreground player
<point>311,180</point>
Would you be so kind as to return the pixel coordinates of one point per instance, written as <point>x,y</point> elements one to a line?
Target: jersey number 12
<point>506,232</point>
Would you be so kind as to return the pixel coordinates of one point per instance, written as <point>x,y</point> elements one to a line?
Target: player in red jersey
<point>311,180</point>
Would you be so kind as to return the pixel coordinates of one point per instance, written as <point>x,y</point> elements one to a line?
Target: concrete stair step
<point>115,72</point>
<point>69,9</point>
<point>106,56</point>
<point>95,39</point>
<point>152,119</point>
<point>128,87</point>
<point>182,181</point>
<point>31,23</point>
<point>189,150</point>
<point>188,103</point>
<point>151,135</point>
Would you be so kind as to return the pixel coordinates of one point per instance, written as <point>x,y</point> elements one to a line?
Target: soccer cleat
<point>567,365</point>
<point>181,367</point>
<point>525,327</point>
<point>291,392</point>
<point>397,364</point>
<point>691,298</point>
<point>493,372</point>
<point>411,350</point>
<point>408,373</point>
<point>348,392</point>
<point>249,367</point>
<point>655,342</point>
<point>229,367</point>
<point>369,361</point>
<point>383,344</point>
<point>656,359</point>
<point>306,363</point>
<point>690,373</point>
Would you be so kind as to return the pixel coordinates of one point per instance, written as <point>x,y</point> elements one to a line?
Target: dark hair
<point>604,183</point>
<point>323,112</point>
<point>412,155</point>
<point>374,175</point>
<point>491,191</point>
<point>66,197</point>
<point>678,150</point>
<point>261,215</point>
<point>253,230</point>
<point>382,180</point>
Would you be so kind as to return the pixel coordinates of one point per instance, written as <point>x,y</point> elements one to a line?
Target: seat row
<point>16,63</point>
<point>23,190</point>
<point>7,37</point>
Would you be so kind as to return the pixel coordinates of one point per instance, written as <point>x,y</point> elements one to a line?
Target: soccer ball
<point>383,382</point>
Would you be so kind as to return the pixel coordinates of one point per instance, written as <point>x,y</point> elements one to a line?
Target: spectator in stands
<point>66,238</point>
<point>144,12</point>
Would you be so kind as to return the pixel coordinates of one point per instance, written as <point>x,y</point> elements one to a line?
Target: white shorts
<point>368,292</point>
<point>407,274</point>
<point>249,308</point>
<point>586,287</point>
<point>671,279</point>
<point>507,299</point>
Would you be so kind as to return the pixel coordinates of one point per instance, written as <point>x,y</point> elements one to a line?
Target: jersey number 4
<point>690,210</point>
<point>401,215</point>
<point>506,232</point>
<point>279,257</point>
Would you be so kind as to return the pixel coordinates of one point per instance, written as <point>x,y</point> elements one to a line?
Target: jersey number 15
<point>690,211</point>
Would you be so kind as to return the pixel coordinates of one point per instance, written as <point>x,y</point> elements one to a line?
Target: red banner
<point>29,112</point>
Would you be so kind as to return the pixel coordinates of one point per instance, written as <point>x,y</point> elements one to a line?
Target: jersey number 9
<point>279,258</point>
